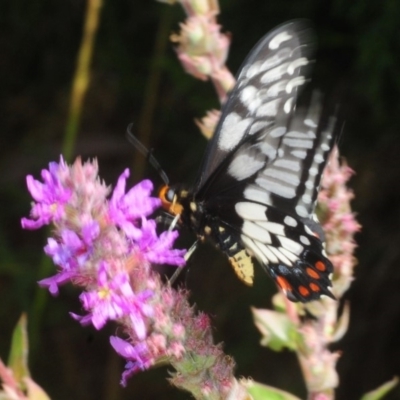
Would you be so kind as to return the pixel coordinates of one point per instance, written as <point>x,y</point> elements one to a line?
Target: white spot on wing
<point>287,107</point>
<point>291,245</point>
<point>296,64</point>
<point>232,131</point>
<point>244,165</point>
<point>269,109</point>
<point>267,149</point>
<point>252,70</point>
<point>309,122</point>
<point>249,97</point>
<point>290,221</point>
<point>283,176</point>
<point>299,80</point>
<point>255,193</point>
<point>288,254</point>
<point>251,211</point>
<point>276,188</point>
<point>288,164</point>
<point>299,153</point>
<point>275,89</point>
<point>258,125</point>
<point>309,185</point>
<point>280,255</point>
<point>256,232</point>
<point>313,171</point>
<point>279,131</point>
<point>273,227</point>
<point>305,240</point>
<point>267,253</point>
<point>274,74</point>
<point>278,39</point>
<point>304,144</point>
<point>255,250</point>
<point>325,147</point>
<point>301,135</point>
<point>276,59</point>
<point>301,211</point>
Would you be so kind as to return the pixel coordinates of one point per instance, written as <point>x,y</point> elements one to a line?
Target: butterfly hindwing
<point>288,250</point>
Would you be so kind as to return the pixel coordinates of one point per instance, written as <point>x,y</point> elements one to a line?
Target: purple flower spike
<point>124,209</point>
<point>50,196</point>
<point>158,249</point>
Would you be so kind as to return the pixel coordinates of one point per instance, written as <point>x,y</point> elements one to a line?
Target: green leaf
<point>382,390</point>
<point>18,359</point>
<point>264,392</point>
<point>276,328</point>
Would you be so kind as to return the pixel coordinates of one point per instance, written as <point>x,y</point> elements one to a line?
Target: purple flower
<point>50,196</point>
<point>54,281</point>
<point>159,250</point>
<point>72,251</point>
<point>90,232</point>
<point>114,299</point>
<point>138,357</point>
<point>124,209</point>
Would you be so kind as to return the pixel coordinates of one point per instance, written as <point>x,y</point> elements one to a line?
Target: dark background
<point>357,67</point>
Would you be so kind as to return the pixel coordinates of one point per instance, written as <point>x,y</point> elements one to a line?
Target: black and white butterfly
<point>256,190</point>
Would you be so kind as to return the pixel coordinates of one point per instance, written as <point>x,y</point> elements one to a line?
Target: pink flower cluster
<point>202,48</point>
<point>107,247</point>
<point>338,221</point>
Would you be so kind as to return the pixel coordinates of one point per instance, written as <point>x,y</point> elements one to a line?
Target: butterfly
<point>256,190</point>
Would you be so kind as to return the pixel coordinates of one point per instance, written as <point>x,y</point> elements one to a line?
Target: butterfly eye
<point>170,194</point>
<point>166,196</point>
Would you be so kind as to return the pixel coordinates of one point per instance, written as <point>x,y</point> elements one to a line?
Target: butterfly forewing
<point>268,82</point>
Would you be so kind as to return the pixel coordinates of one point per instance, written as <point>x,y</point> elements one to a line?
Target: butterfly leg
<point>180,269</point>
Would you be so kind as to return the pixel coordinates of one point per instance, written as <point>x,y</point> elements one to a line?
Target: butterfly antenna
<point>146,152</point>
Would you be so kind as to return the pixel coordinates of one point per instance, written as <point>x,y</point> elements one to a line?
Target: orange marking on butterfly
<point>312,273</point>
<point>314,287</point>
<point>320,266</point>
<point>304,291</point>
<point>283,283</point>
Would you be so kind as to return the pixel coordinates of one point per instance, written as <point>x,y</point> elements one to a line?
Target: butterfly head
<point>171,197</point>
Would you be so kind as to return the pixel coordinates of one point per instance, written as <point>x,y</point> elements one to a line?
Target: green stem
<point>82,76</point>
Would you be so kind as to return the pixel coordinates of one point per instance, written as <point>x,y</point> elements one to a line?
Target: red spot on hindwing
<point>312,273</point>
<point>320,266</point>
<point>283,283</point>
<point>314,287</point>
<point>304,291</point>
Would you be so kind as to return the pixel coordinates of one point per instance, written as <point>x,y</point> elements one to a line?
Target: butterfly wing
<point>261,174</point>
<point>269,80</point>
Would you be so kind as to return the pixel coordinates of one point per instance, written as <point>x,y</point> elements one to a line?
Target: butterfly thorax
<point>193,213</point>
<point>204,221</point>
